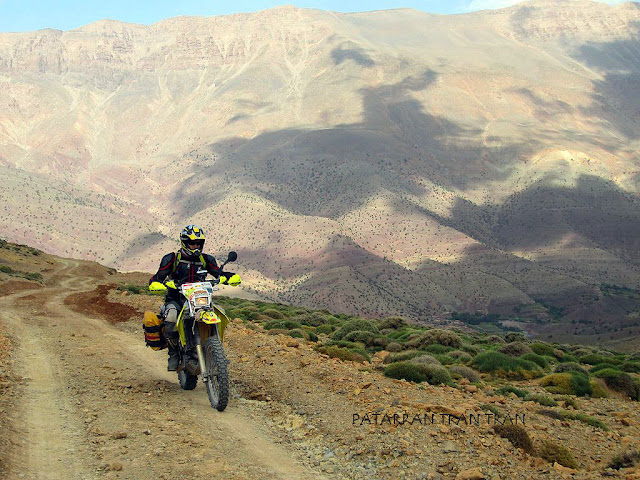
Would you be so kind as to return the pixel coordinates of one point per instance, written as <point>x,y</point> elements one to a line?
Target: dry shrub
<point>554,452</point>
<point>517,435</point>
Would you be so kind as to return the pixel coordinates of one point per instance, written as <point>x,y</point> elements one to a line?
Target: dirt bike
<point>201,323</point>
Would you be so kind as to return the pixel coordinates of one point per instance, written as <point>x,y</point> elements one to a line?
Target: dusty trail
<point>96,403</point>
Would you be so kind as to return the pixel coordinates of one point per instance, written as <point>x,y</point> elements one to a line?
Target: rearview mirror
<point>233,256</point>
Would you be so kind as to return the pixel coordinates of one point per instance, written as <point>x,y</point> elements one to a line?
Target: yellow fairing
<point>224,321</point>
<point>180,325</point>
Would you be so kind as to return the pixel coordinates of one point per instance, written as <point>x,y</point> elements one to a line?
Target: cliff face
<point>386,162</point>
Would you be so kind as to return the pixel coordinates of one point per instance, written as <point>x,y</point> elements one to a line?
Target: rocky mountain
<point>388,162</point>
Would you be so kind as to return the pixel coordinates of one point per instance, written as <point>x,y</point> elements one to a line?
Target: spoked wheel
<point>217,373</point>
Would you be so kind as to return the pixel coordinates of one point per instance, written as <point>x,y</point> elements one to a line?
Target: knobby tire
<point>218,384</point>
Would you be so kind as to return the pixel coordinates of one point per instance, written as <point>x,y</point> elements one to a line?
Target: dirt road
<point>96,403</point>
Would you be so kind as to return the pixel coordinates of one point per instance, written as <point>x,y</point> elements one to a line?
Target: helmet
<point>192,234</point>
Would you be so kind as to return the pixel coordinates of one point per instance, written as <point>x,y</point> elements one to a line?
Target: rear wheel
<point>187,381</point>
<point>217,373</point>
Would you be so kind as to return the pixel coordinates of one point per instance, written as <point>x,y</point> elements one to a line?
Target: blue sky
<point>25,15</point>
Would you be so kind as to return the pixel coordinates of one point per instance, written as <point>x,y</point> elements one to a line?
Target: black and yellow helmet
<point>192,240</point>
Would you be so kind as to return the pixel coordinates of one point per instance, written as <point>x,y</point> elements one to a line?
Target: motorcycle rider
<point>187,265</point>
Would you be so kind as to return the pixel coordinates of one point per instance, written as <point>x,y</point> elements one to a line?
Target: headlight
<point>202,301</point>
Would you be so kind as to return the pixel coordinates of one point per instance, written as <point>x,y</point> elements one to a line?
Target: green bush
<point>542,349</point>
<point>325,329</point>
<point>594,359</point>
<point>437,336</point>
<point>620,382</point>
<point>273,313</point>
<point>298,333</point>
<point>402,356</point>
<point>602,366</point>
<point>460,356</point>
<point>545,400</point>
<point>570,367</point>
<point>630,367</point>
<point>355,325</point>
<point>394,347</point>
<point>425,359</point>
<point>335,351</point>
<point>541,361</point>
<point>517,435</point>
<point>312,319</point>
<point>515,349</point>
<point>406,370</point>
<point>496,340</point>
<point>470,349</point>
<point>553,452</point>
<point>507,389</point>
<point>360,336</point>
<point>273,324</point>
<point>438,349</point>
<point>437,374</point>
<point>500,363</point>
<point>465,372</point>
<point>392,322</point>
<point>515,337</point>
<point>290,324</point>
<point>37,277</point>
<point>569,383</point>
<point>598,390</point>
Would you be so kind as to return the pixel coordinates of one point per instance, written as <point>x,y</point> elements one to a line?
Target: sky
<point>26,15</point>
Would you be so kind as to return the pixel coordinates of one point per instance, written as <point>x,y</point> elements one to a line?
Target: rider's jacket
<point>185,271</point>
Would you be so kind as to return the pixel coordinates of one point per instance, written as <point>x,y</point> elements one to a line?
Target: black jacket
<point>185,272</point>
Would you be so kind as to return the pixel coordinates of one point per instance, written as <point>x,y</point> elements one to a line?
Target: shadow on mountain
<point>355,54</point>
<point>544,214</point>
<point>616,97</point>
<point>595,208</point>
<point>329,172</point>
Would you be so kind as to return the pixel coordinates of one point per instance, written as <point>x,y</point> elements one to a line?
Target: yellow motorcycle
<point>201,323</point>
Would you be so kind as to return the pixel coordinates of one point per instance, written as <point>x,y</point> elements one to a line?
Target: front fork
<point>203,371</point>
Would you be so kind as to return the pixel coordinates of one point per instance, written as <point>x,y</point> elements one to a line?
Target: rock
<point>119,435</point>
<point>292,343</point>
<point>471,388</point>
<point>115,466</point>
<point>562,469</point>
<point>471,474</point>
<point>450,447</point>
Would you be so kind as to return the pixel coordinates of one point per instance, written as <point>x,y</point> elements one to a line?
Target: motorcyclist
<point>187,265</point>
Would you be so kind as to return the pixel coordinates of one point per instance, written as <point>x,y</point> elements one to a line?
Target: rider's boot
<point>174,354</point>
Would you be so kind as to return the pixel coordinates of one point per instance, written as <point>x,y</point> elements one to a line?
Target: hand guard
<point>234,280</point>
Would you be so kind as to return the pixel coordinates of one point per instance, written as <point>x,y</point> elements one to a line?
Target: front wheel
<point>217,374</point>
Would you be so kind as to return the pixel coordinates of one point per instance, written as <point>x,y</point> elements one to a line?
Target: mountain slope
<point>388,162</point>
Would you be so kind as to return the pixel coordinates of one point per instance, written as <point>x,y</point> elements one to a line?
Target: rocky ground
<point>81,397</point>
